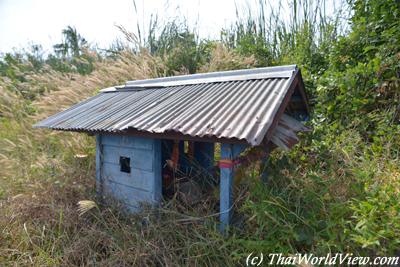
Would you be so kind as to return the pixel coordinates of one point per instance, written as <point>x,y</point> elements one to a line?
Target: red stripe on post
<point>227,163</point>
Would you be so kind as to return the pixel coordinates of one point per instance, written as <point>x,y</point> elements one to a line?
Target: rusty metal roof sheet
<point>237,105</point>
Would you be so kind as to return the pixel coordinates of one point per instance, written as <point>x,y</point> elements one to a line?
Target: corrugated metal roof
<point>233,105</point>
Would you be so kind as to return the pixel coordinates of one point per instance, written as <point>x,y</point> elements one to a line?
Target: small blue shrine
<point>148,129</point>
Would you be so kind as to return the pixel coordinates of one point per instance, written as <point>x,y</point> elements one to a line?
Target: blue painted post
<point>99,152</point>
<point>204,154</point>
<point>229,152</point>
<point>157,168</point>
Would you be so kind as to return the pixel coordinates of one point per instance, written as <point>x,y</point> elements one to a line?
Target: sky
<point>24,22</point>
<point>27,22</point>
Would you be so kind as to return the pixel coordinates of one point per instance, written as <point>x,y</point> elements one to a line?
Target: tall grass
<point>277,33</point>
<point>42,181</point>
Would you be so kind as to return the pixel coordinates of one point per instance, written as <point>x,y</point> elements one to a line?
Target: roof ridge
<point>220,76</point>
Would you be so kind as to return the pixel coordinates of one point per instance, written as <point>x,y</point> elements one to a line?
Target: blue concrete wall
<point>143,183</point>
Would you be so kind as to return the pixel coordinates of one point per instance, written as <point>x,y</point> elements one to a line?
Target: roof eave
<point>172,135</point>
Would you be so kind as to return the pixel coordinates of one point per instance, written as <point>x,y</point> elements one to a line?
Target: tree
<point>72,45</point>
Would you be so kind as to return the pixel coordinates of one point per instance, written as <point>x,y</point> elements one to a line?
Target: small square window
<point>125,164</point>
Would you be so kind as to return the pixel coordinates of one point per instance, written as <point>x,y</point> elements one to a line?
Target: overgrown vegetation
<point>337,191</point>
